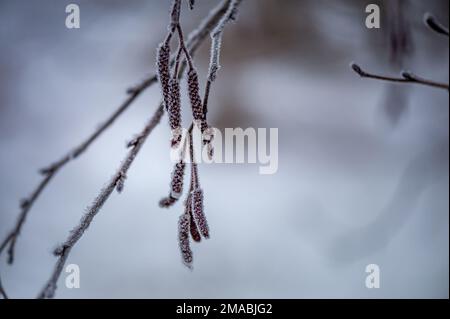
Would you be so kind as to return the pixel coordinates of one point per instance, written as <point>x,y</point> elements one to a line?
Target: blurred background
<point>363,171</point>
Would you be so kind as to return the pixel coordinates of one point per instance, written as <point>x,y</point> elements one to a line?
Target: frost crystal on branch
<point>197,210</point>
<point>163,71</point>
<point>214,64</point>
<point>183,240</point>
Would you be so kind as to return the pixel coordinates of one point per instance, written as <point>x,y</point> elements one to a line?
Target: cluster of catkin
<point>192,223</point>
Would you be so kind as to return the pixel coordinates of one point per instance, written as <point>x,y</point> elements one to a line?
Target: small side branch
<point>406,77</point>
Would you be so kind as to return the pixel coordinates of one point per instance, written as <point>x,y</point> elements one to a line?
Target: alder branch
<point>116,181</point>
<point>406,77</point>
<point>196,37</point>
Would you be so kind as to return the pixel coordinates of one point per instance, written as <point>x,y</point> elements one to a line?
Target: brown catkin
<point>194,230</point>
<point>176,184</point>
<point>194,96</point>
<point>192,225</point>
<point>162,64</point>
<point>175,112</point>
<point>183,240</point>
<point>197,210</point>
<point>174,104</point>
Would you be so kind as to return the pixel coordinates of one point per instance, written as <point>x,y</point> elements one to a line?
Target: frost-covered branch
<point>2,291</point>
<point>216,44</point>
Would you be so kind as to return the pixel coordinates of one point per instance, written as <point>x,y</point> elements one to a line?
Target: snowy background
<point>363,175</point>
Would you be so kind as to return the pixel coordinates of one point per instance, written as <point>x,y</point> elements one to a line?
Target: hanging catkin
<point>162,65</point>
<point>197,210</point>
<point>183,240</point>
<point>194,96</point>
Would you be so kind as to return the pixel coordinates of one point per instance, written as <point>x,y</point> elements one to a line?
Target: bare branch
<point>407,77</point>
<point>434,25</point>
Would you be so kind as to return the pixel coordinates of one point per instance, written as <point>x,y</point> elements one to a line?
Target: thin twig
<point>63,250</point>
<point>196,37</point>
<point>434,25</point>
<point>407,77</point>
